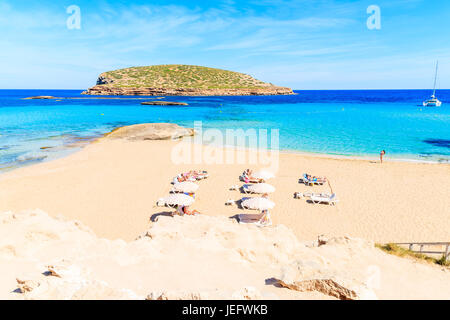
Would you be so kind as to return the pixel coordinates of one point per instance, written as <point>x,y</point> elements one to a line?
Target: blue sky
<point>315,44</point>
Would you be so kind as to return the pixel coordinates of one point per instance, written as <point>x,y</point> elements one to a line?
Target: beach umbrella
<point>258,204</point>
<point>185,186</point>
<point>263,174</point>
<point>179,199</point>
<point>261,188</point>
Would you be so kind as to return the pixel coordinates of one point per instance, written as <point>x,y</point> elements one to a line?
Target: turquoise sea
<point>340,123</point>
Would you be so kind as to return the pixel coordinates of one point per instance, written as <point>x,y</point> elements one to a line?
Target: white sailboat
<point>433,101</point>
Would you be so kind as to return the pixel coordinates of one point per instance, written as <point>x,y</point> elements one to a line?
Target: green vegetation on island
<point>179,76</point>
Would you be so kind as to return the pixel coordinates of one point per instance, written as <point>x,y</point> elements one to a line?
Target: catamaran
<point>433,101</point>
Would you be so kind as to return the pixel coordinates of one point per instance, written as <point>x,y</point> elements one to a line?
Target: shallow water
<point>349,123</point>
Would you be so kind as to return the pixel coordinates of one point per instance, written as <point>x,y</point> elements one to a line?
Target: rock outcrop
<point>41,97</point>
<point>163,103</point>
<point>328,287</point>
<point>150,131</point>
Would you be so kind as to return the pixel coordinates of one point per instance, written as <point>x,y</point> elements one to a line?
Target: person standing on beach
<point>382,153</point>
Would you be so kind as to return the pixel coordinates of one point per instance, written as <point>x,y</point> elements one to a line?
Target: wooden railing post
<point>447,253</point>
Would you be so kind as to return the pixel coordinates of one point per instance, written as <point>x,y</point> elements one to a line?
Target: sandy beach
<point>112,186</point>
<point>73,225</point>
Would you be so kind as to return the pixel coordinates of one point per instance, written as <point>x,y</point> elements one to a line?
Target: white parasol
<point>185,186</point>
<point>263,174</point>
<point>261,188</point>
<point>179,199</point>
<point>258,204</point>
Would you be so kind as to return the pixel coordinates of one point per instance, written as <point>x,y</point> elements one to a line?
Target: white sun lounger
<point>245,189</point>
<point>329,199</point>
<point>261,220</point>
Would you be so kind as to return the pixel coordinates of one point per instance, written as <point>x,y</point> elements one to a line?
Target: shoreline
<point>82,143</point>
<point>340,157</point>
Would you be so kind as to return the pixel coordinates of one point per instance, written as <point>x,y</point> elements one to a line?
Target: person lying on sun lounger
<point>182,210</point>
<point>198,174</point>
<point>247,177</point>
<point>182,177</point>
<point>307,178</point>
<point>191,176</point>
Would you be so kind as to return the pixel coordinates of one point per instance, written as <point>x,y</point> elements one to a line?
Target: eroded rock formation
<point>150,131</point>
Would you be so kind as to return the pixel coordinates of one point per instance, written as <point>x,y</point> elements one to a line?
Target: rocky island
<point>181,80</point>
<point>163,103</point>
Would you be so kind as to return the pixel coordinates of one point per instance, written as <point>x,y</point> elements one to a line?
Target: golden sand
<point>113,186</point>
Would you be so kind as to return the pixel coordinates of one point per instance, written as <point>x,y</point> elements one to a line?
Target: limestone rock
<point>247,293</point>
<point>322,240</point>
<point>151,131</point>
<point>41,97</point>
<point>326,286</point>
<point>176,295</point>
<point>163,103</point>
<point>95,290</point>
<point>64,270</point>
<point>306,276</point>
<point>27,285</point>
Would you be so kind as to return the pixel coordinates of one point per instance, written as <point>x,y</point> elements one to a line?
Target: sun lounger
<point>313,180</point>
<point>261,220</point>
<point>301,195</point>
<point>323,198</point>
<point>162,203</point>
<point>200,175</point>
<point>248,179</point>
<point>242,200</point>
<point>245,189</point>
<point>181,178</point>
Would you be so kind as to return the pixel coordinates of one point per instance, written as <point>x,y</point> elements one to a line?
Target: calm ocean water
<point>349,123</point>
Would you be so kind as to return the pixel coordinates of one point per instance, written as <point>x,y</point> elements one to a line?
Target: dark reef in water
<point>438,142</point>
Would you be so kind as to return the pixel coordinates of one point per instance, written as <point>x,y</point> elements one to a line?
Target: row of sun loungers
<point>183,194</point>
<point>255,184</point>
<point>183,191</point>
<point>316,198</point>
